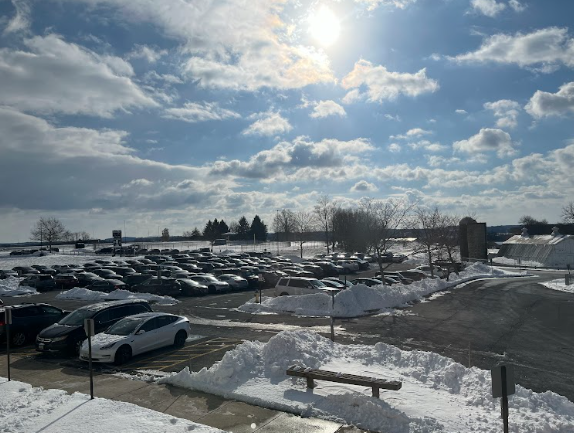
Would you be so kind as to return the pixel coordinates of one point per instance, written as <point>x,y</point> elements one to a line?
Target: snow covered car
<point>136,334</point>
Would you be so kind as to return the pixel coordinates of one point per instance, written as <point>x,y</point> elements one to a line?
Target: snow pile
<point>560,285</point>
<point>10,287</point>
<point>93,295</point>
<point>360,299</point>
<point>25,409</point>
<point>438,394</point>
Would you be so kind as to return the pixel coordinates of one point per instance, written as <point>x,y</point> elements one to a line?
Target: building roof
<point>537,239</point>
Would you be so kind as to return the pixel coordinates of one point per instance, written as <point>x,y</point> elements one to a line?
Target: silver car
<point>136,334</point>
<point>235,281</point>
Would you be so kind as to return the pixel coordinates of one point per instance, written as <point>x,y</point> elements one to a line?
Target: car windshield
<point>317,284</point>
<point>76,318</point>
<point>125,326</point>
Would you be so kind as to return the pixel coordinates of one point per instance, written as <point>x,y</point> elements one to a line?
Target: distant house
<point>554,250</point>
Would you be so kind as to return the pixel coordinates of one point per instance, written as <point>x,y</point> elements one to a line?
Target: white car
<point>348,265</point>
<point>235,281</point>
<point>136,334</point>
<point>212,283</point>
<point>299,286</point>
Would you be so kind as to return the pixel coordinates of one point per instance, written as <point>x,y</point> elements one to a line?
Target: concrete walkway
<point>211,410</point>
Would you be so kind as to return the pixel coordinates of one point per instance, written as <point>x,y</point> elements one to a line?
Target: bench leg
<point>310,383</point>
<point>375,391</point>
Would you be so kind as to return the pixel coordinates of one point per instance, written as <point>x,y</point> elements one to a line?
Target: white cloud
<point>487,139</point>
<point>327,108</point>
<point>411,133</point>
<point>490,8</point>
<point>546,47</point>
<point>364,186</point>
<point>193,112</point>
<point>270,123</point>
<point>227,44</point>
<point>152,55</point>
<point>460,111</point>
<point>544,104</point>
<point>516,5</point>
<point>290,157</point>
<point>427,145</point>
<point>373,4</point>
<point>352,96</point>
<point>384,85</point>
<point>21,19</point>
<point>59,77</point>
<point>394,147</point>
<point>506,111</point>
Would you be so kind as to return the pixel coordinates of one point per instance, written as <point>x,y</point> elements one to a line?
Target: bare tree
<point>426,221</point>
<point>448,239</point>
<point>324,211</point>
<point>568,212</point>
<point>382,221</point>
<point>284,224</point>
<point>304,224</point>
<point>48,230</point>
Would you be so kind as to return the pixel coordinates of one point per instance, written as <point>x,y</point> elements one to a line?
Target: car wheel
<point>123,355</point>
<point>18,339</point>
<point>180,338</point>
<point>284,294</point>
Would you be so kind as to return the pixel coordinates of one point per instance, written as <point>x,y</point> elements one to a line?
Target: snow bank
<point>560,285</point>
<point>10,287</point>
<point>25,409</point>
<point>360,299</point>
<point>92,295</point>
<point>438,394</point>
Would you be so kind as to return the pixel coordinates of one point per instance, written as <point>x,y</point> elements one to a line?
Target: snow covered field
<point>25,409</point>
<point>360,299</point>
<point>438,394</point>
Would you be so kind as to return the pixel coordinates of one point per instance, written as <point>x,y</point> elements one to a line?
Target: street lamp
<point>277,228</point>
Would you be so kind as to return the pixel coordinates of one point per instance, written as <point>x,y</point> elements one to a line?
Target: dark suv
<point>41,283</point>
<point>28,320</point>
<point>68,334</point>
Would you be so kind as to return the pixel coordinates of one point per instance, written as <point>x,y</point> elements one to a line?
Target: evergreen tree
<point>243,229</point>
<point>259,229</point>
<point>223,228</point>
<point>195,234</point>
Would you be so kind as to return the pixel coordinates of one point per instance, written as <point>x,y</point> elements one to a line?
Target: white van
<point>298,286</point>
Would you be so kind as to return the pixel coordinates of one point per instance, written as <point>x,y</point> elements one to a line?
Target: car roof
<point>103,305</point>
<point>27,304</point>
<point>149,315</point>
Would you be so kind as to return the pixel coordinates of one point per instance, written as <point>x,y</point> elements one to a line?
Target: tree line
<point>239,230</point>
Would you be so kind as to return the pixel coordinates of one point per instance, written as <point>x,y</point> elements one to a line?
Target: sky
<point>139,114</point>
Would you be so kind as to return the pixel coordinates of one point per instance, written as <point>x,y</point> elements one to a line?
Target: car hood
<point>103,339</point>
<point>57,330</point>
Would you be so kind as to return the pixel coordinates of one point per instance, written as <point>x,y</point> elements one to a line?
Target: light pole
<point>277,228</point>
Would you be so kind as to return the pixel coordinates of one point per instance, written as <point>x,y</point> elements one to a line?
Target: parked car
<point>159,286</point>
<point>212,283</point>
<point>298,286</point>
<point>235,281</point>
<point>437,271</point>
<point>66,281</point>
<point>68,333</point>
<point>414,274</point>
<point>137,334</point>
<point>395,275</point>
<point>399,258</point>
<point>105,250</point>
<point>107,286</point>
<point>108,274</point>
<point>190,287</point>
<point>25,270</point>
<point>41,282</point>
<point>334,284</point>
<point>28,320</point>
<point>86,278</point>
<point>370,282</point>
<point>135,279</point>
<point>7,273</point>
<point>348,265</point>
<point>345,283</point>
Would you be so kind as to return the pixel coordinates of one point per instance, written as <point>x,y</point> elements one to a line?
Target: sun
<point>324,26</point>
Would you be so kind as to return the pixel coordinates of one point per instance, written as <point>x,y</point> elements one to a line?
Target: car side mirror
<point>140,332</point>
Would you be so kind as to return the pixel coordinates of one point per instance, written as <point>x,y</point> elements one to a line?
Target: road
<point>517,321</point>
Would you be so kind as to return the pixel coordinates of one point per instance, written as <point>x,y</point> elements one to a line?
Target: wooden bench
<point>313,374</point>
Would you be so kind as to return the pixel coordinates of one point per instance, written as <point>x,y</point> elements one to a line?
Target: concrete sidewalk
<point>211,410</point>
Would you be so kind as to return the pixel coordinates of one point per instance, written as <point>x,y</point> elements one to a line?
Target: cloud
<point>427,145</point>
<point>547,47</point>
<point>364,186</point>
<point>411,133</point>
<point>384,85</point>
<point>506,111</point>
<point>394,147</point>
<point>460,111</point>
<point>59,77</point>
<point>327,108</point>
<point>487,139</point>
<point>270,123</point>
<point>193,112</point>
<point>516,5</point>
<point>21,20</point>
<point>152,55</point>
<point>490,8</point>
<point>373,4</point>
<point>227,45</point>
<point>289,157</point>
<point>544,104</point>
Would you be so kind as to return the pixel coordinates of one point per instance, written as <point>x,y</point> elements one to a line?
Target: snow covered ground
<point>360,299</point>
<point>438,394</point>
<point>10,287</point>
<point>561,286</point>
<point>92,295</point>
<point>25,409</point>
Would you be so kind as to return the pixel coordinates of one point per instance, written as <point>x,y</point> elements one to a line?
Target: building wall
<point>476,241</point>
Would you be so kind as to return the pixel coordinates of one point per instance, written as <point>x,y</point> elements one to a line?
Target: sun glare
<point>324,26</point>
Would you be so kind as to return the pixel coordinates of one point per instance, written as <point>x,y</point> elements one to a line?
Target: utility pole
<point>277,234</point>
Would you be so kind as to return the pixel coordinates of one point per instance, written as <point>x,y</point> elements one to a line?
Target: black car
<point>159,286</point>
<point>135,279</point>
<point>28,320</point>
<point>7,273</point>
<point>41,282</point>
<point>68,333</point>
<point>107,286</point>
<point>191,288</point>
<point>25,270</point>
<point>87,278</point>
